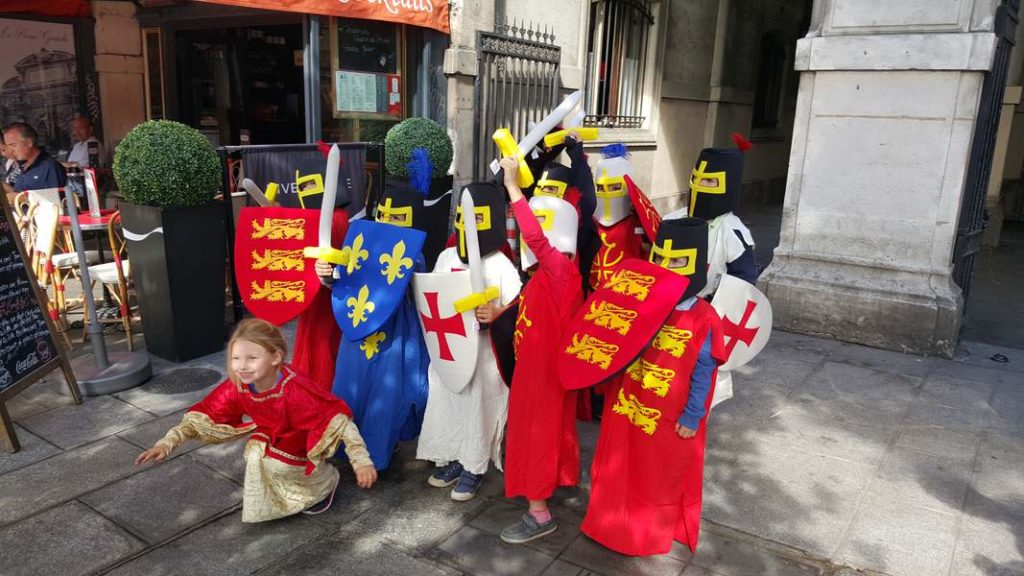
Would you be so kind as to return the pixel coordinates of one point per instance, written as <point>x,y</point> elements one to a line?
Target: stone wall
<point>119,67</point>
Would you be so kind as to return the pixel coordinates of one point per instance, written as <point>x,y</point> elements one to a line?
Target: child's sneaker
<point>445,475</point>
<point>527,529</point>
<point>323,505</point>
<point>467,487</point>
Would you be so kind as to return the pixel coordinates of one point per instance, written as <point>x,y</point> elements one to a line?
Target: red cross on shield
<point>746,318</point>
<point>450,336</point>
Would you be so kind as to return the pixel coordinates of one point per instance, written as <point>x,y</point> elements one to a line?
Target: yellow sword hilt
<point>508,146</point>
<point>556,138</point>
<point>271,192</point>
<point>476,299</point>
<point>327,254</point>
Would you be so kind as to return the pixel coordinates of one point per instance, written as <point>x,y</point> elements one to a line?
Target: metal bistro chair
<point>40,244</point>
<point>117,275</point>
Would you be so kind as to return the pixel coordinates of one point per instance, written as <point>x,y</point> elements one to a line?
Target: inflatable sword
<point>255,192</point>
<point>323,250</point>
<point>508,146</point>
<point>481,294</point>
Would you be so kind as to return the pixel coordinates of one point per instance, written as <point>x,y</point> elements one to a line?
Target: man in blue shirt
<point>39,170</point>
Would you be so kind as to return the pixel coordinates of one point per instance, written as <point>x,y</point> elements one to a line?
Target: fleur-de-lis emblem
<point>359,305</point>
<point>371,344</point>
<point>355,254</point>
<point>395,263</point>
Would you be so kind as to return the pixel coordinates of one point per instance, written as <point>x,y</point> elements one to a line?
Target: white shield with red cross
<point>747,323</point>
<point>451,337</point>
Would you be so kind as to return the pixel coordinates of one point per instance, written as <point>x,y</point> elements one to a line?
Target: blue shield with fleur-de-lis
<point>380,260</point>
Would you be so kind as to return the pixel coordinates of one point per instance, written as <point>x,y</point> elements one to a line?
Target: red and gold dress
<point>542,452</point>
<point>295,426</point>
<point>647,480</point>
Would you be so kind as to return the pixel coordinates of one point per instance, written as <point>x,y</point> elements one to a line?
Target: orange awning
<point>424,13</point>
<point>61,8</point>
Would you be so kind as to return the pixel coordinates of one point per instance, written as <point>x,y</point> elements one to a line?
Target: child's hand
<point>684,432</point>
<point>156,454</point>
<point>485,313</point>
<point>511,172</point>
<point>324,269</point>
<point>573,138</point>
<point>366,476</point>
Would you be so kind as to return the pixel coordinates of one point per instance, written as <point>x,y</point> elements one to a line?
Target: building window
<point>770,75</point>
<point>619,51</point>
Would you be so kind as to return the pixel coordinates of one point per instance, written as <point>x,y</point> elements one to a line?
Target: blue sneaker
<point>467,487</point>
<point>445,475</point>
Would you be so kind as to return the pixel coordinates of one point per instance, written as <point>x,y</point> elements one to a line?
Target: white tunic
<point>468,426</point>
<point>724,247</point>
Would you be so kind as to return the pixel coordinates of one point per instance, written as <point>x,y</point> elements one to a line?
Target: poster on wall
<point>367,93</point>
<point>38,79</point>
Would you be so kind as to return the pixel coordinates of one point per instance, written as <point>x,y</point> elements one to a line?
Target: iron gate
<point>517,83</point>
<point>972,209</point>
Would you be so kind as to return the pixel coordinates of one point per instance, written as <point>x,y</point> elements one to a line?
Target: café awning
<point>424,13</point>
<point>56,8</point>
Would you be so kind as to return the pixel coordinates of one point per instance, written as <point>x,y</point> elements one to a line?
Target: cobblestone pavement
<point>831,459</point>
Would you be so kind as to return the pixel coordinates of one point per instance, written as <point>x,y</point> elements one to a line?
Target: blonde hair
<point>259,332</point>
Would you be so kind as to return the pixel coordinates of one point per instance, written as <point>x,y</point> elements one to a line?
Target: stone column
<point>120,69</point>
<point>886,110</point>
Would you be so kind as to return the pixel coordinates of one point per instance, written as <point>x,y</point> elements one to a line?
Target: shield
<point>380,262</point>
<point>276,281</point>
<point>747,323</point>
<point>452,339</point>
<point>503,341</point>
<point>617,322</point>
<point>746,319</point>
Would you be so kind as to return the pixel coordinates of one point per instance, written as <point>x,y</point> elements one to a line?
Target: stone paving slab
<point>99,417</point>
<point>884,360</point>
<point>224,458</point>
<point>350,551</point>
<point>788,496</point>
<point>501,514</point>
<point>65,476</point>
<point>730,557</point>
<point>145,435</point>
<point>938,441</point>
<point>986,548</point>
<point>68,540</point>
<point>33,449</point>
<point>165,499</point>
<point>922,479</point>
<point>154,398</point>
<point>800,428</point>
<point>600,560</point>
<point>562,568</point>
<point>901,539</point>
<point>226,547</point>
<point>980,354</point>
<point>48,393</point>
<point>484,554</point>
<point>842,381</point>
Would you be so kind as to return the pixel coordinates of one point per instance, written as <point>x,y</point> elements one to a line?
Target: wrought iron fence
<point>517,83</point>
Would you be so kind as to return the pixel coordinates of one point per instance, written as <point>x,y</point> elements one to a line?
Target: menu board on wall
<point>360,92</point>
<point>27,347</point>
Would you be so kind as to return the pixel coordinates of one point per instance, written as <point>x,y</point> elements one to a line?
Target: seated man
<point>81,130</point>
<point>39,170</point>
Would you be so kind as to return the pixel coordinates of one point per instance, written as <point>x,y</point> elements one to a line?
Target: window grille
<point>617,59</point>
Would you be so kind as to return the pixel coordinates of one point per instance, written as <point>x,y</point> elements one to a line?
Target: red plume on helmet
<point>742,143</point>
<point>323,147</point>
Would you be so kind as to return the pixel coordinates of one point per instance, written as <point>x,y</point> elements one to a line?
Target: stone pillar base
<point>913,312</point>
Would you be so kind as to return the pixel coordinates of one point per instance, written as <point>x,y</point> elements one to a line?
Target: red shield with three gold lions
<point>276,281</point>
<point>617,322</point>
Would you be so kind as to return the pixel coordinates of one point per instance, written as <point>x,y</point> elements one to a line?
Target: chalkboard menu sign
<point>27,347</point>
<point>368,46</point>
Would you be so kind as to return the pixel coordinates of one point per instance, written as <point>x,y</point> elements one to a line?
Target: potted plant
<point>399,144</point>
<point>169,176</point>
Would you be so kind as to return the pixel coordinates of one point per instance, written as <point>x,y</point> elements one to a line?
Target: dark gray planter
<point>177,259</point>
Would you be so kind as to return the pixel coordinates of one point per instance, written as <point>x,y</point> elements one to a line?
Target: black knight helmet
<point>716,180</point>
<point>682,246</point>
<point>489,205</point>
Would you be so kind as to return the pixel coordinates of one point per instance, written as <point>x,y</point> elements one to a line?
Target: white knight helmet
<point>560,223</point>
<point>613,203</point>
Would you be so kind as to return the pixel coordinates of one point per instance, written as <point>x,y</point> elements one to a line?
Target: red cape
<point>647,481</point>
<point>317,336</point>
<point>542,451</point>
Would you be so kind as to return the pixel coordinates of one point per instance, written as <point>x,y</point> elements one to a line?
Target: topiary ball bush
<point>167,164</point>
<point>412,133</point>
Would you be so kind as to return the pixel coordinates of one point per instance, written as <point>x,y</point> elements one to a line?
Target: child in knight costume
<point>575,185</point>
<point>542,449</point>
<point>648,466</point>
<point>382,361</point>
<point>714,193</point>
<point>625,217</point>
<point>464,424</point>
<point>295,427</point>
